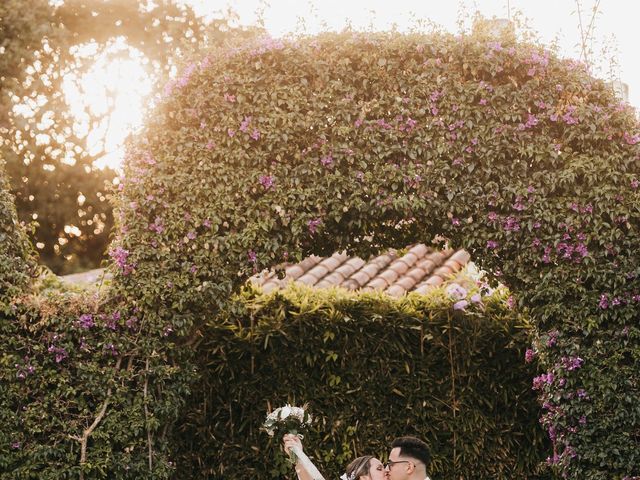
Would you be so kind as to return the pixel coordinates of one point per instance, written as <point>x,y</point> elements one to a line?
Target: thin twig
<point>146,414</point>
<point>453,389</point>
<point>583,40</point>
<point>96,421</point>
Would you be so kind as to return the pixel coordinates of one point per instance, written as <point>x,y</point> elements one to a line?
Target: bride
<point>362,468</point>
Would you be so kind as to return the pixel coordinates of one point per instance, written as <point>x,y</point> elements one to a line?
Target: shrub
<point>277,149</point>
<point>363,141</point>
<point>17,264</point>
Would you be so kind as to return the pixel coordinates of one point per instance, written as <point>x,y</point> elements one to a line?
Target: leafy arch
<point>275,150</point>
<point>280,149</point>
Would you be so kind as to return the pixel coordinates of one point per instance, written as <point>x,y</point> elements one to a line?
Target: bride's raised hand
<point>290,440</point>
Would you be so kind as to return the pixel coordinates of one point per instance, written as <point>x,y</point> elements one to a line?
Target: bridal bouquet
<point>287,419</point>
<point>294,420</point>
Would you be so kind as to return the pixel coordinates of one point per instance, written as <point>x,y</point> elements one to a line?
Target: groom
<point>408,460</point>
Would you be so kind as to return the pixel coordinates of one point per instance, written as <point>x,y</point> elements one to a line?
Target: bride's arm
<point>289,442</point>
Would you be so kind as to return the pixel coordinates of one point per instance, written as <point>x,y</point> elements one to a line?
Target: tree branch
<point>96,421</point>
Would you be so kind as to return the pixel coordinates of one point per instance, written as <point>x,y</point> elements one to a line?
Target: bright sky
<point>616,26</point>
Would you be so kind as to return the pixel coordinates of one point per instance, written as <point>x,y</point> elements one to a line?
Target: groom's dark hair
<point>414,448</point>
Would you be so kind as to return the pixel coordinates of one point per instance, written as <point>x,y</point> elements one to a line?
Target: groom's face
<point>397,466</point>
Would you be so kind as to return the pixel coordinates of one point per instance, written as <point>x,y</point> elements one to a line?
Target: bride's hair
<point>359,467</point>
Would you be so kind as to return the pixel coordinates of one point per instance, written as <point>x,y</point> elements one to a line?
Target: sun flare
<point>112,92</point>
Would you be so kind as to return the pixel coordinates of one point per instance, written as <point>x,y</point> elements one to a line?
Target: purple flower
<point>476,298</point>
<point>112,323</point>
<point>455,222</point>
<point>86,320</point>
<point>313,225</point>
<point>572,363</point>
<point>529,355</point>
<point>255,134</point>
<point>60,353</point>
<point>553,460</point>
<point>511,224</point>
<point>253,258</point>
<point>16,445</point>
<point>120,256</point>
<point>157,226</point>
<point>210,145</point>
<point>327,160</point>
<point>635,183</point>
<point>266,181</point>
<point>456,291</point>
<point>553,338</point>
<point>244,126</point>
<point>231,132</point>
<point>581,249</point>
<point>111,348</point>
<point>542,380</point>
<point>604,302</point>
<point>460,305</point>
<point>492,244</point>
<point>631,139</point>
<point>132,322</point>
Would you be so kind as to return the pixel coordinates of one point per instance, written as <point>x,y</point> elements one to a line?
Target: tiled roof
<point>418,270</point>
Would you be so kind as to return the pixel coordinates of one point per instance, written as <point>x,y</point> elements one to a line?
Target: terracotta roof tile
<point>377,283</point>
<point>418,270</point>
<point>395,291</point>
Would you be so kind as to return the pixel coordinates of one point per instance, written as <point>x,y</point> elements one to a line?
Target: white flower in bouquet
<point>289,419</point>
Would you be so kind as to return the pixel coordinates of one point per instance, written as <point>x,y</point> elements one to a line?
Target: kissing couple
<point>408,460</point>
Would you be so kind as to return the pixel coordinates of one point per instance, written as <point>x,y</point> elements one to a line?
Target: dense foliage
<point>359,141</point>
<point>17,265</point>
<point>276,149</point>
<point>372,368</point>
<point>80,394</point>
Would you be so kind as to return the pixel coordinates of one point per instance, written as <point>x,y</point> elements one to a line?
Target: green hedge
<point>372,368</point>
<point>76,368</point>
<point>275,150</point>
<point>17,264</point>
<point>279,149</point>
